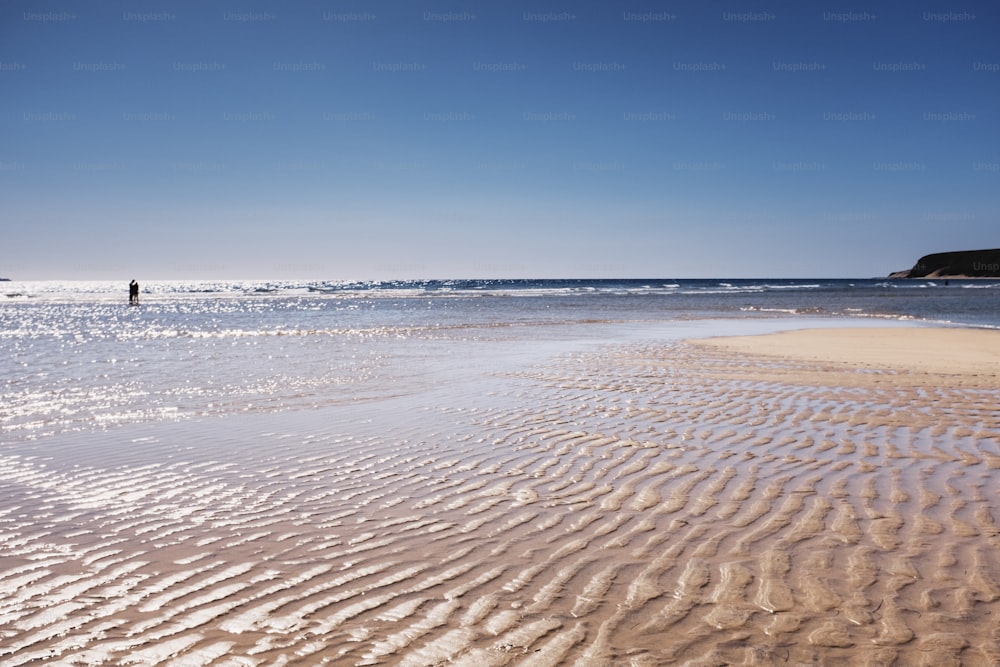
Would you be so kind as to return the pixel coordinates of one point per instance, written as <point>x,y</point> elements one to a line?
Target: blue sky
<point>344,139</point>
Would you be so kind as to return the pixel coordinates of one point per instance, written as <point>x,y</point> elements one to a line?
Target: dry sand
<point>959,354</point>
<point>653,504</point>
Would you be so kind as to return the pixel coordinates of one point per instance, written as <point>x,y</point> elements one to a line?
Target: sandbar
<point>943,351</point>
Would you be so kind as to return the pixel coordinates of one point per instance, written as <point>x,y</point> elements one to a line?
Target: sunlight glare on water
<point>75,355</point>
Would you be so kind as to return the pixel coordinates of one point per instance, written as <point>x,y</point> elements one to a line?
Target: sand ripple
<point>645,505</point>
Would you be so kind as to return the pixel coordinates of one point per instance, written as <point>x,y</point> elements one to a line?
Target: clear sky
<point>365,139</point>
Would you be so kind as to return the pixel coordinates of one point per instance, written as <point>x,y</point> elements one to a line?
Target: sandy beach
<point>809,497</point>
<point>951,355</point>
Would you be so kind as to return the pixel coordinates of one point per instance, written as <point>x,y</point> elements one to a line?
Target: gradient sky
<point>353,139</point>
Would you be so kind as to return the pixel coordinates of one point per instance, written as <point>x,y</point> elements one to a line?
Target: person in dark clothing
<point>133,292</point>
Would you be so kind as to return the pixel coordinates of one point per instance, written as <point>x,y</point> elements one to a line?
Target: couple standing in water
<point>133,293</point>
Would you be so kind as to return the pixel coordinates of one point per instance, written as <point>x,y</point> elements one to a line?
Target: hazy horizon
<point>146,281</point>
<point>392,140</point>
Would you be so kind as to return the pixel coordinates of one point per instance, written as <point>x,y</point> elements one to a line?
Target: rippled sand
<point>636,505</point>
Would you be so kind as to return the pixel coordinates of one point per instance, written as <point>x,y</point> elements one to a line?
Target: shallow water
<point>74,356</point>
<point>636,501</point>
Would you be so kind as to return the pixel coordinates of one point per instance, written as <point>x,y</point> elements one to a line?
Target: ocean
<point>77,357</point>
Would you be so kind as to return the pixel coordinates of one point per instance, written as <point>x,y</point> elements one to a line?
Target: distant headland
<point>960,264</point>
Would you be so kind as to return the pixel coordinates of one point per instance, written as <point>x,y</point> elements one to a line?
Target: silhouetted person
<point>133,292</point>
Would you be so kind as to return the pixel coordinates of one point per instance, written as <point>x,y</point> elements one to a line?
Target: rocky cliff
<point>961,264</point>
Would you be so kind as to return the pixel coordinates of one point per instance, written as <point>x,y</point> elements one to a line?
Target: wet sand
<point>641,504</point>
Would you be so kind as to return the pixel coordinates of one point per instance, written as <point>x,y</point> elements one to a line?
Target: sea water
<point>75,357</point>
